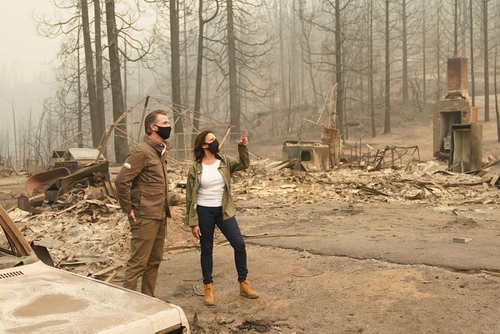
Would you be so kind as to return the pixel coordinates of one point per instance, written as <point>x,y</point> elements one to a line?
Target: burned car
<point>38,298</point>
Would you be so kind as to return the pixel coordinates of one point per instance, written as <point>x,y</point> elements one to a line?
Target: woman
<point>209,202</point>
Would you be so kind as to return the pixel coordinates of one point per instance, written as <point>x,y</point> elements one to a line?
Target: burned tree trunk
<point>120,138</point>
<point>97,122</point>
<point>176,77</point>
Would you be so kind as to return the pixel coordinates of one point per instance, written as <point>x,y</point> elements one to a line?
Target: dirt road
<point>386,269</point>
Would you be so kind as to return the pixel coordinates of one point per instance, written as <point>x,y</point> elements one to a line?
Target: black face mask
<point>213,147</point>
<point>164,131</point>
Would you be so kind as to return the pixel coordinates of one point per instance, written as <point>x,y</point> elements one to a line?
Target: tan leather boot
<point>247,291</point>
<point>209,295</point>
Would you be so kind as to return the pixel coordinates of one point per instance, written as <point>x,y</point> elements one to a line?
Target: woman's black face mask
<point>213,147</point>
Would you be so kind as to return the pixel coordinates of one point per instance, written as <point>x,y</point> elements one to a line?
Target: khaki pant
<point>146,253</point>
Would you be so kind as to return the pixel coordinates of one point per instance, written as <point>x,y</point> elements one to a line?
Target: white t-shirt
<point>211,186</point>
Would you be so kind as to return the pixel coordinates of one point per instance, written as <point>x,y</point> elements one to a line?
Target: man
<point>141,185</point>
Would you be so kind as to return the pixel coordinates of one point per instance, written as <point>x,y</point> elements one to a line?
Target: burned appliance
<point>76,158</point>
<point>466,147</point>
<point>310,155</point>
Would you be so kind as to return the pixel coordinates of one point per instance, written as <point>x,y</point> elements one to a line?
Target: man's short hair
<point>151,119</point>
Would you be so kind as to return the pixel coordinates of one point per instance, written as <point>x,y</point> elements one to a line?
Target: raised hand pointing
<point>244,139</point>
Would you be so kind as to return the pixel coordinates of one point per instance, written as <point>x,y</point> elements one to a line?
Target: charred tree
<point>496,95</point>
<point>120,138</point>
<point>175,70</point>
<point>387,120</point>
<point>96,120</point>
<point>405,52</point>
<point>234,98</point>
<point>486,66</point>
<point>199,63</point>
<point>471,32</point>
<point>371,74</point>
<point>98,64</point>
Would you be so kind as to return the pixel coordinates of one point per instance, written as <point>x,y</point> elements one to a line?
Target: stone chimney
<point>455,118</point>
<point>458,76</point>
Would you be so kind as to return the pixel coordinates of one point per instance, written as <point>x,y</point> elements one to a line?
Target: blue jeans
<point>208,218</point>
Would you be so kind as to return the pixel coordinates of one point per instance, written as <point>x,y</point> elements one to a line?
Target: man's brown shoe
<point>209,295</point>
<point>247,291</point>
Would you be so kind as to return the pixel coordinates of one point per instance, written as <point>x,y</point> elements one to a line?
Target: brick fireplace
<point>455,121</point>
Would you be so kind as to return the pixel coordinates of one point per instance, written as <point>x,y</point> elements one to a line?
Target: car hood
<point>36,298</point>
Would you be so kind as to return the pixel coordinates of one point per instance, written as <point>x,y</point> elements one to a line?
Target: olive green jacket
<point>141,183</point>
<point>227,167</point>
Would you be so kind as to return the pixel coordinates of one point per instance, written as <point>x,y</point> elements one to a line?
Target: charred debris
<point>71,209</point>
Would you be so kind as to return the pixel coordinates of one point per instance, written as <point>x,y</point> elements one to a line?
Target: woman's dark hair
<point>198,143</point>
